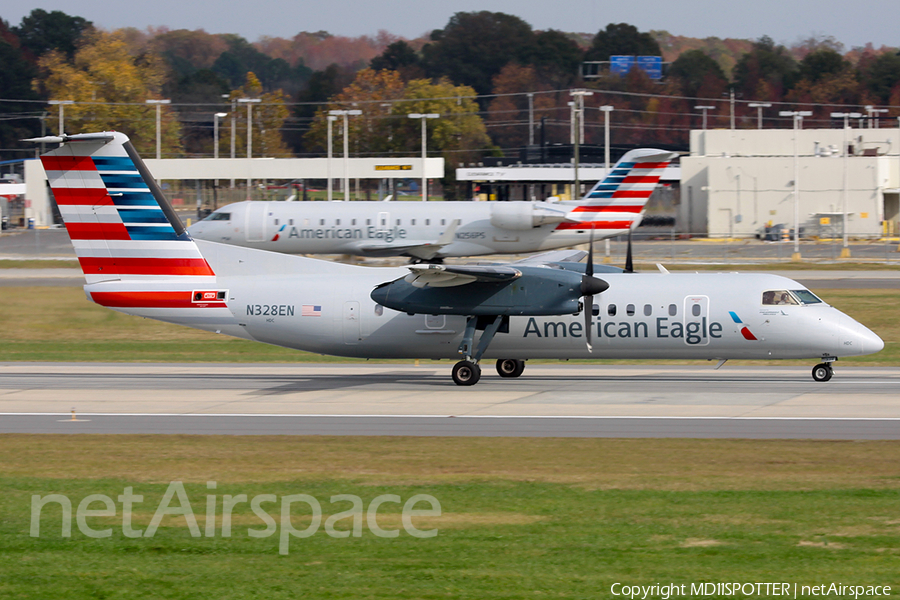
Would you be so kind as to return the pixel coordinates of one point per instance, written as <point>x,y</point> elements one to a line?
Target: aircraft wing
<point>554,256</point>
<point>453,275</point>
<point>424,249</point>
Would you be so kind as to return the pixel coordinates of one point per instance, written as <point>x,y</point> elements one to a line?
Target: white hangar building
<point>737,181</point>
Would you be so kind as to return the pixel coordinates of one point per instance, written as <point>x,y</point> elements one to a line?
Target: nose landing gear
<point>822,372</point>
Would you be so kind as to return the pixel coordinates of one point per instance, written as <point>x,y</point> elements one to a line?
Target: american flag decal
<point>311,310</point>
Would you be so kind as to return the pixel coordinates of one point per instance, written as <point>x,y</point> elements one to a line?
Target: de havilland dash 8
<point>138,259</point>
<point>431,231</point>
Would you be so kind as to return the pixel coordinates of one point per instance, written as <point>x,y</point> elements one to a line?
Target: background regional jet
<point>430,231</point>
<point>138,259</point>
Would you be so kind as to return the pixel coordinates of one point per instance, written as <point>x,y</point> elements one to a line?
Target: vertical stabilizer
<point>120,223</point>
<point>618,201</point>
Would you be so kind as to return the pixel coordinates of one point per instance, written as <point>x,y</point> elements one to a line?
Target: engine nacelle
<point>521,216</point>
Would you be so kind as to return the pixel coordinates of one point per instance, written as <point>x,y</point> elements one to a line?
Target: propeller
<point>590,285</point>
<point>629,264</point>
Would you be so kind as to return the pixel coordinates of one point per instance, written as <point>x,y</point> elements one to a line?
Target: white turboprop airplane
<point>430,231</point>
<point>138,259</point>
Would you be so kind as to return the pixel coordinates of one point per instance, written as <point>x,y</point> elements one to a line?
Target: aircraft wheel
<point>510,367</point>
<point>822,372</point>
<point>466,373</point>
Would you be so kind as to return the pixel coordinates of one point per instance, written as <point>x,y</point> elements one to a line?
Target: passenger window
<point>648,310</point>
<point>321,221</point>
<point>337,221</point>
<point>352,221</point>
<point>427,221</point>
<point>368,221</point>
<point>398,221</point>
<point>595,310</point>
<point>412,222</point>
<point>611,310</point>
<point>276,221</point>
<point>443,222</point>
<point>777,298</point>
<point>673,310</point>
<point>629,310</point>
<point>379,310</point>
<point>695,310</point>
<point>290,221</point>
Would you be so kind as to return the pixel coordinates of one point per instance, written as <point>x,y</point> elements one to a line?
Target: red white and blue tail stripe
<point>136,255</point>
<point>120,224</point>
<point>618,201</point>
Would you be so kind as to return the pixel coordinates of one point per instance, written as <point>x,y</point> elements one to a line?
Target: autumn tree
<point>19,118</point>
<point>399,56</point>
<point>766,72</point>
<point>698,74</point>
<point>109,87</point>
<point>507,119</point>
<point>268,117</point>
<point>374,93</point>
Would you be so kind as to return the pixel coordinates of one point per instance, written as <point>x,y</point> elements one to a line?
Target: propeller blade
<point>629,264</point>
<point>588,326</point>
<point>589,271</point>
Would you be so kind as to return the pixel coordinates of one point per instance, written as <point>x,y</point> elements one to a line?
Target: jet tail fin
<point>120,223</point>
<point>618,201</point>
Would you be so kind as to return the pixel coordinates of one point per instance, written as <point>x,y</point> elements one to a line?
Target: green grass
<point>521,518</point>
<point>39,263</point>
<point>60,324</point>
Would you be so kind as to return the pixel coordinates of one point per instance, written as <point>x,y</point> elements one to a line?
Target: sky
<point>785,21</point>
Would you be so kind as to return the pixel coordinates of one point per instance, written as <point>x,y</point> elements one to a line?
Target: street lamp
<point>216,117</point>
<point>249,102</point>
<point>704,109</point>
<point>158,104</point>
<point>423,117</point>
<point>331,120</point>
<point>61,104</point>
<point>759,106</point>
<point>345,114</point>
<point>233,117</point>
<point>873,119</point>
<point>606,109</point>
<point>579,136</point>
<point>845,250</point>
<point>798,125</point>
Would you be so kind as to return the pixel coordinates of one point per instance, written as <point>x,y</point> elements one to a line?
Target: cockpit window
<point>806,297</point>
<point>778,297</point>
<point>219,216</point>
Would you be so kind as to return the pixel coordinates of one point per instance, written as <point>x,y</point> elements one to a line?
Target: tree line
<point>477,72</point>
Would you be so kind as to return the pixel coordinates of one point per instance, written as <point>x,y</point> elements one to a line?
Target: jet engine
<point>521,216</point>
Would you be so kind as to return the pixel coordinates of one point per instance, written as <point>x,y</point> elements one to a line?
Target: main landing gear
<point>467,371</point>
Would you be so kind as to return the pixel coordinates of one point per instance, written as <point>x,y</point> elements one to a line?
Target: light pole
<point>531,118</point>
<point>331,119</point>
<point>233,116</point>
<point>158,104</point>
<point>704,109</point>
<point>249,102</point>
<point>845,250</point>
<point>61,104</point>
<point>606,109</point>
<point>759,106</point>
<point>346,114</point>
<point>579,132</point>
<point>216,117</point>
<point>873,118</point>
<point>423,117</point>
<point>798,125</point>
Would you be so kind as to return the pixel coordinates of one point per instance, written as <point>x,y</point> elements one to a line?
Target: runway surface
<point>555,400</point>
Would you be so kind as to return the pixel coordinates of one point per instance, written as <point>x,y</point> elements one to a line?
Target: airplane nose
<point>869,341</point>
